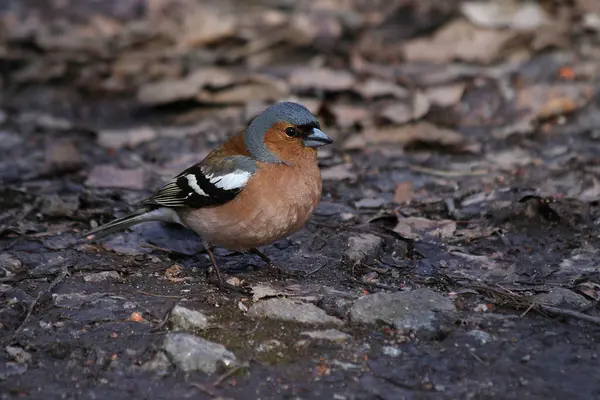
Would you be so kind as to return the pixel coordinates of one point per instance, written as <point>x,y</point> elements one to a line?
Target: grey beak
<point>317,139</point>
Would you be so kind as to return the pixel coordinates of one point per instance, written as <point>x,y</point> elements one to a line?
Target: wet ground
<point>456,250</point>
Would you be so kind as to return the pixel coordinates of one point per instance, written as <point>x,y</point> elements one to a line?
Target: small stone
<point>290,310</point>
<point>481,336</point>
<point>9,264</point>
<point>332,335</point>
<point>184,319</point>
<point>391,351</point>
<point>270,345</point>
<point>62,156</point>
<point>115,139</point>
<point>526,358</point>
<point>160,364</point>
<point>416,309</point>
<point>95,277</point>
<point>18,354</point>
<point>377,202</point>
<point>363,249</point>
<point>59,206</point>
<point>191,353</point>
<point>109,176</point>
<point>558,297</point>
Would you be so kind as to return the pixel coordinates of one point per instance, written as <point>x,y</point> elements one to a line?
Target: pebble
<point>561,297</point>
<point>290,310</point>
<point>185,319</point>
<point>417,309</point>
<point>192,353</point>
<point>363,249</point>
<point>95,277</point>
<point>332,335</point>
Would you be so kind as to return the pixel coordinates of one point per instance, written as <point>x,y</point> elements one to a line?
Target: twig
<point>528,309</point>
<point>60,277</point>
<point>204,389</point>
<point>226,375</point>
<point>373,284</point>
<point>570,313</point>
<point>445,173</point>
<point>314,271</point>
<point>159,295</point>
<point>475,356</point>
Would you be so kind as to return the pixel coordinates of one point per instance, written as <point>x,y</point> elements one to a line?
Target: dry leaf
<point>505,14</point>
<point>171,90</point>
<point>321,79</point>
<point>445,96</point>
<point>404,192</point>
<point>422,132</point>
<point>115,139</point>
<point>459,40</point>
<point>419,228</point>
<point>338,173</point>
<point>373,88</point>
<point>401,113</point>
<point>348,115</point>
<point>267,90</point>
<point>547,100</point>
<point>109,176</point>
<point>206,25</point>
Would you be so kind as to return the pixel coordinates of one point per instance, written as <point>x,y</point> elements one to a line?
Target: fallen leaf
<point>136,317</point>
<point>116,139</point>
<point>459,40</point>
<point>376,202</point>
<point>373,88</point>
<point>62,156</point>
<point>505,14</point>
<point>445,96</point>
<point>546,100</point>
<point>403,112</point>
<point>109,176</point>
<point>419,228</point>
<point>260,89</point>
<point>206,25</point>
<point>171,90</point>
<point>173,272</point>
<point>422,132</point>
<point>348,115</point>
<point>338,173</point>
<point>590,289</point>
<point>321,79</point>
<point>404,192</point>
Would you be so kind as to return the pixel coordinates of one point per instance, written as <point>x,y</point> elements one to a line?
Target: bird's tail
<point>144,215</point>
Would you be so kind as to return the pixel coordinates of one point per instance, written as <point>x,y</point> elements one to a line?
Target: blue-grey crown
<point>286,111</point>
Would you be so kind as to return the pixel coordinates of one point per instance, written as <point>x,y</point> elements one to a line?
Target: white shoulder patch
<point>234,180</point>
<point>193,182</point>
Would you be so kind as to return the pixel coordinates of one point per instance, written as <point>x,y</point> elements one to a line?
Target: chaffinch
<point>258,187</point>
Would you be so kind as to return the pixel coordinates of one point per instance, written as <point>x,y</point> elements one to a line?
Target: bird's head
<point>284,132</point>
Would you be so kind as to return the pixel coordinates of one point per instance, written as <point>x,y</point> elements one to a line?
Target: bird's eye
<point>291,131</point>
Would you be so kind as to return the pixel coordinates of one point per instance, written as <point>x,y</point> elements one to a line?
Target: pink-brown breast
<point>277,201</point>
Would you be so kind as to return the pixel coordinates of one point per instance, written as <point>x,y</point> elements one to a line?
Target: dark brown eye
<point>291,131</point>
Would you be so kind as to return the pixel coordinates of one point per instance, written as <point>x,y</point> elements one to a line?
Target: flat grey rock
<point>363,248</point>
<point>558,297</point>
<point>291,310</point>
<point>416,309</point>
<point>332,335</point>
<point>186,319</point>
<point>192,353</point>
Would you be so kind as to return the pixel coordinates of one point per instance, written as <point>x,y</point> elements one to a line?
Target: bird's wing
<point>208,183</point>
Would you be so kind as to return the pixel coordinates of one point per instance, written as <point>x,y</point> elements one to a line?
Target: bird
<point>259,186</point>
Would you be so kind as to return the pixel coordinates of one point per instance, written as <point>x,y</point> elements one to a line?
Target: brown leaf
<point>258,89</point>
<point>459,40</point>
<point>424,132</point>
<point>115,139</point>
<point>445,96</point>
<point>402,112</point>
<point>205,25</point>
<point>373,88</point>
<point>62,156</point>
<point>338,173</point>
<point>404,192</point>
<point>171,90</point>
<point>322,79</point>
<point>542,101</point>
<point>505,14</point>
<point>109,176</point>
<point>419,228</point>
<point>347,115</point>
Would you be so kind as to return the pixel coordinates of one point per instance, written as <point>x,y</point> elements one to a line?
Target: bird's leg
<point>213,261</point>
<point>280,271</point>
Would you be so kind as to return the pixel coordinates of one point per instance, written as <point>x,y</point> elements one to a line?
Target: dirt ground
<point>456,250</point>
